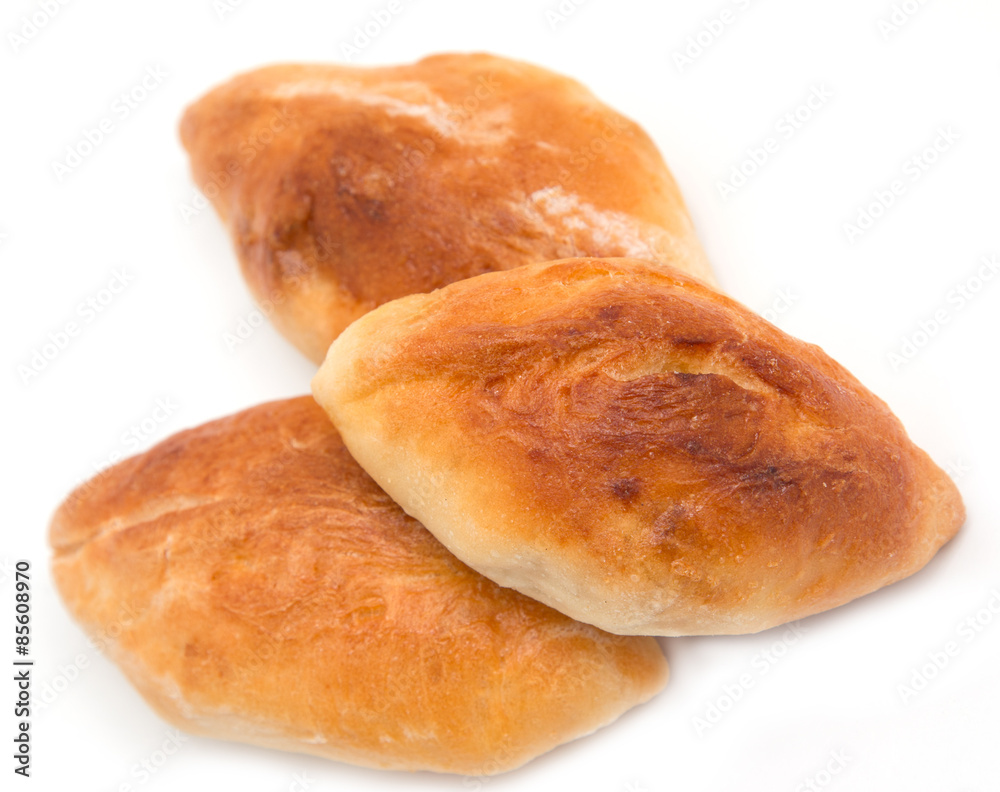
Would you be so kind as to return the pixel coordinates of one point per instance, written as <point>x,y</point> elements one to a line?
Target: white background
<point>837,687</point>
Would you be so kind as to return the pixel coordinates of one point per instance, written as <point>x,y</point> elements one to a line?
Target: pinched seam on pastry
<point>554,209</point>
<point>151,510</point>
<point>489,126</point>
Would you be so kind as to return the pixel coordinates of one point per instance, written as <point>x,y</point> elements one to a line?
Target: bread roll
<point>255,585</point>
<point>345,187</point>
<point>623,443</point>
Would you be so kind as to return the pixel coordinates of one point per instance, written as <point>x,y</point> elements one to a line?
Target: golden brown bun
<point>346,187</point>
<point>625,444</point>
<point>254,584</point>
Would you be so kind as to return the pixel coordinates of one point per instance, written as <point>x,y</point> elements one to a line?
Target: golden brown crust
<point>255,584</point>
<point>631,447</point>
<point>346,187</point>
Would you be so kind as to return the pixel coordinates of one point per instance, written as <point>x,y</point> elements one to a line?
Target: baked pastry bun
<point>256,585</point>
<point>345,187</point>
<point>627,445</point>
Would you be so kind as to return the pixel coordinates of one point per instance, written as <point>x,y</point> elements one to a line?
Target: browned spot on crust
<point>626,489</point>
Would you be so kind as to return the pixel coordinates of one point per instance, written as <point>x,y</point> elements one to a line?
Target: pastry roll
<point>345,187</point>
<point>256,585</point>
<point>625,444</point>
